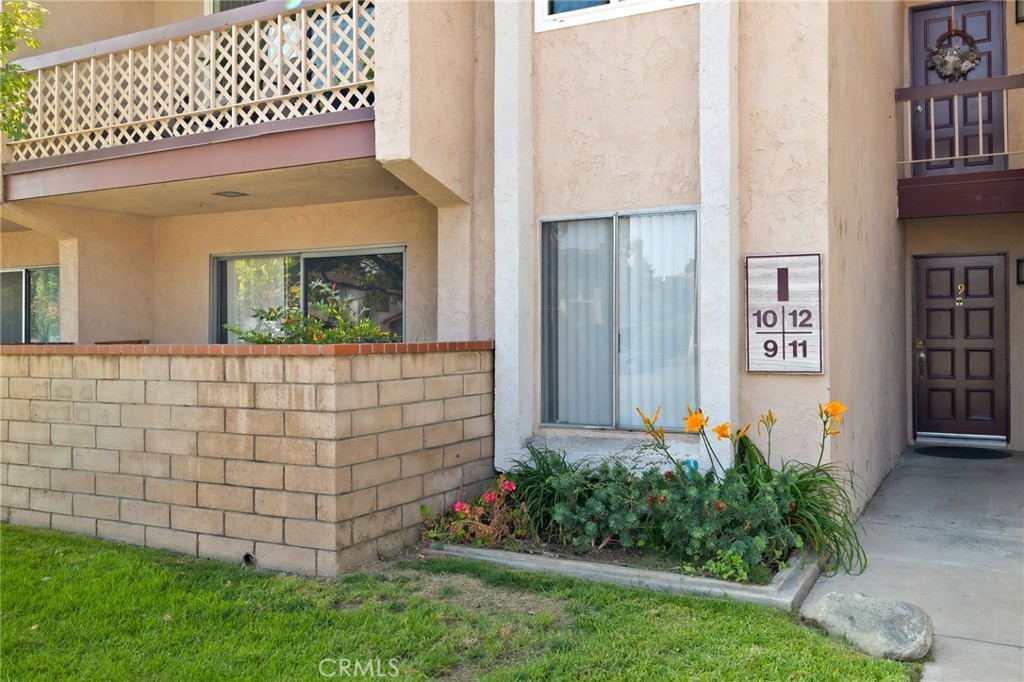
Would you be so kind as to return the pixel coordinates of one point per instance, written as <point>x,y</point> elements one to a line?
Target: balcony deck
<point>958,162</point>
<point>251,66</point>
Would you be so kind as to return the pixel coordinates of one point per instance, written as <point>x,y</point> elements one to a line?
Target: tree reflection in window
<point>374,282</point>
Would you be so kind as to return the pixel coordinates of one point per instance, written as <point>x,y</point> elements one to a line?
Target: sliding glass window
<point>618,318</point>
<point>372,282</point>
<point>30,305</point>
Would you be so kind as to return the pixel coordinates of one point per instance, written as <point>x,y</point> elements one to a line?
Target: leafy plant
<point>727,565</point>
<point>335,319</point>
<point>19,21</point>
<point>609,503</point>
<point>820,508</point>
<point>703,515</point>
<point>822,515</point>
<point>533,476</point>
<point>490,520</point>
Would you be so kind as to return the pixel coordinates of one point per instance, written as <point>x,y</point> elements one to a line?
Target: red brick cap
<point>239,350</point>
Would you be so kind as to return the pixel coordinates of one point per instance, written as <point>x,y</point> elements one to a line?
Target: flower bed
<point>740,524</point>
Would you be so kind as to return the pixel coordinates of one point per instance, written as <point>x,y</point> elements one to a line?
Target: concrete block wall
<point>311,463</point>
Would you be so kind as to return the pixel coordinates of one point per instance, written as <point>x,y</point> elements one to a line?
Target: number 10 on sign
<point>784,313</point>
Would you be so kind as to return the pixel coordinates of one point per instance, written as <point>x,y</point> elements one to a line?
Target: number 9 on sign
<point>771,348</point>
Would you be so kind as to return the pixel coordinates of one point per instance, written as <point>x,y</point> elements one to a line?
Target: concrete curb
<point>786,591</point>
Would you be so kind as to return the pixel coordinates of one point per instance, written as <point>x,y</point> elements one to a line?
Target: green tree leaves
<point>19,20</point>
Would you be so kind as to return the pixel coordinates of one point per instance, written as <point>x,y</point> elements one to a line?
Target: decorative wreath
<point>953,61</point>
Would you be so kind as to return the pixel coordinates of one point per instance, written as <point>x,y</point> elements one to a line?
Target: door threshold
<point>996,442</point>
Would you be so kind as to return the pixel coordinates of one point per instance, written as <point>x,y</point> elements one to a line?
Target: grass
<point>79,608</point>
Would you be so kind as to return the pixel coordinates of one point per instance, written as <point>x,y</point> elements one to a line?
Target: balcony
<point>955,161</point>
<point>149,86</point>
<point>255,89</point>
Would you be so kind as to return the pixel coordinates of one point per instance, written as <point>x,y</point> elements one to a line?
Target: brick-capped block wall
<point>310,462</point>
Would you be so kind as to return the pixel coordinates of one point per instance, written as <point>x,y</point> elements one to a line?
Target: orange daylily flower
<point>835,409</point>
<point>742,432</point>
<point>834,432</point>
<point>722,430</point>
<point>695,421</point>
<point>649,423</point>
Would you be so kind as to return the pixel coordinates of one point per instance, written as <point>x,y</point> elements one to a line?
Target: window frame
<point>26,293</point>
<point>213,6</point>
<point>694,209</point>
<point>616,9</point>
<point>218,334</point>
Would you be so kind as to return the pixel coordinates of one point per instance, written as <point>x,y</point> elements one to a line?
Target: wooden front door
<point>960,351</point>
<point>986,23</point>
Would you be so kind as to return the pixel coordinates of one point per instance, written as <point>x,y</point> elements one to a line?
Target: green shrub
<point>814,500</point>
<point>689,515</point>
<point>609,503</point>
<point>703,515</point>
<point>332,321</point>
<point>736,523</point>
<point>821,509</point>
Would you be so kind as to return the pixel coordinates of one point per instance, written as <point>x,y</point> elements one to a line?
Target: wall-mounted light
<point>1020,271</point>
<point>1020,11</point>
<point>230,194</point>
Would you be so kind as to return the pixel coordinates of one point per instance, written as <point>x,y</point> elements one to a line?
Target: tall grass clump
<point>534,476</point>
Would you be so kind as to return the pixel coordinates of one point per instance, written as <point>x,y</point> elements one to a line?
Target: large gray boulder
<point>880,627</point>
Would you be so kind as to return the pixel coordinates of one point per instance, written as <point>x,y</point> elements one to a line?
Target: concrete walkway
<point>948,535</point>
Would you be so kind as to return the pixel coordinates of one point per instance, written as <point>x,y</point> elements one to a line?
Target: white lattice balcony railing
<point>315,59</point>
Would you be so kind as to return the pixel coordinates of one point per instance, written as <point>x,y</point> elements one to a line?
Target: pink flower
<point>461,507</point>
<point>509,486</point>
<point>490,497</point>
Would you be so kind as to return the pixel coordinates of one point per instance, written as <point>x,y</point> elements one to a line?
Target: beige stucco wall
<point>171,11</point>
<point>76,22</point>
<point>425,86</point>
<point>106,267</point>
<point>481,245</point>
<point>783,187</point>
<point>139,278</point>
<point>433,120</point>
<point>184,245</point>
<point>969,235</point>
<point>615,114</point>
<point>865,251</point>
<point>25,248</point>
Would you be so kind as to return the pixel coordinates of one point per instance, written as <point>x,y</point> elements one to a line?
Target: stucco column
<point>719,299</point>
<point>68,250</point>
<point>514,232</point>
<point>454,272</point>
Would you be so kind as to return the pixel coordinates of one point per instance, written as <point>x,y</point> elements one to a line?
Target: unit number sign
<point>784,313</point>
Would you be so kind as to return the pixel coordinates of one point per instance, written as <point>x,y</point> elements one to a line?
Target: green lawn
<point>82,609</point>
